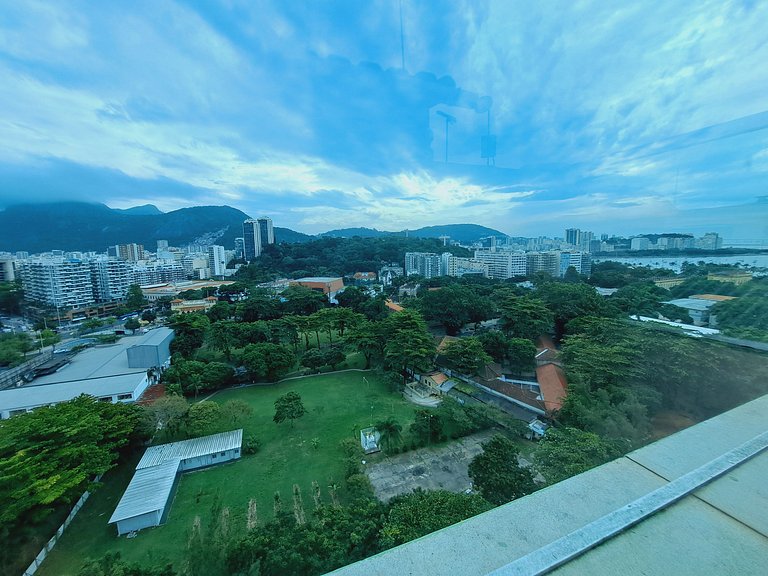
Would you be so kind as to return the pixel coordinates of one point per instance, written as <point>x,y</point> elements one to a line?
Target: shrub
<point>251,444</point>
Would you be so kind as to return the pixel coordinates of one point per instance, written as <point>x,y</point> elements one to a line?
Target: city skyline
<point>315,119</point>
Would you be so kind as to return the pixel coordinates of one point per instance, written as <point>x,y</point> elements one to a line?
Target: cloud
<point>604,114</point>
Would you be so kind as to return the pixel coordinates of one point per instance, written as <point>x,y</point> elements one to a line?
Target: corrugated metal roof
<point>148,491</point>
<point>191,448</point>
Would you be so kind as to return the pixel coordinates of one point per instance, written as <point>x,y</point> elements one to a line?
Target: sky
<point>621,118</point>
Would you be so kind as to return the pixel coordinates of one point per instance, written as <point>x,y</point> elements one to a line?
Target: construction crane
<point>448,120</point>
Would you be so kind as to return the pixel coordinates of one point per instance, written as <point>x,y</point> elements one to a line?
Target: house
<point>438,382</point>
<point>363,278</point>
<point>552,385</point>
<point>392,306</point>
<point>146,500</point>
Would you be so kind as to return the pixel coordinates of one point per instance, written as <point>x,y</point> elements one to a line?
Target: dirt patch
<point>440,468</point>
<point>666,423</point>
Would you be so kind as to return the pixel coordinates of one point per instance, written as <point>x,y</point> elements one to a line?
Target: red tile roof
<point>553,386</point>
<point>394,307</point>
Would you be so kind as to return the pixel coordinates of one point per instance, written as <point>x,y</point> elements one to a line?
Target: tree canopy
<point>497,474</point>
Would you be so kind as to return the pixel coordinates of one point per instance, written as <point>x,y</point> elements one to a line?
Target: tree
<point>11,297</point>
<point>521,354</point>
<point>190,331</point>
<point>421,512</point>
<point>565,452</point>
<point>148,316</point>
<point>203,418</point>
<point>526,317</point>
<point>409,344</point>
<point>313,359</point>
<point>49,456</point>
<point>367,339</point>
<point>134,298</point>
<point>497,474</point>
<point>466,355</point>
<point>112,565</point>
<point>495,344</point>
<point>165,417</point>
<point>352,297</point>
<point>426,426</point>
<point>267,360</point>
<point>235,412</point>
<point>288,407</point>
<point>49,337</point>
<point>132,324</point>
<point>391,433</point>
<point>570,301</point>
<point>455,305</point>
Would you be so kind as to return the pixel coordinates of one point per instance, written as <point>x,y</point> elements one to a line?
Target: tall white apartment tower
<point>217,260</point>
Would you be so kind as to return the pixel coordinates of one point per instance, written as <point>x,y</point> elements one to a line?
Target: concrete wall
<point>148,356</point>
<point>139,522</point>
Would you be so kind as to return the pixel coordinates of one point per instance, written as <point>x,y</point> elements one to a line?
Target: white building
<point>456,266</point>
<point>110,278</point>
<point>640,243</point>
<point>147,498</point>
<point>57,281</point>
<point>117,373</point>
<point>217,260</point>
<point>503,264</point>
<point>426,264</point>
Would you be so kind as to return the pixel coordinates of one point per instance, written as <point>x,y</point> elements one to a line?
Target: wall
<point>138,522</point>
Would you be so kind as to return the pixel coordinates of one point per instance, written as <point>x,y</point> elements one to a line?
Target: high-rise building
<point>58,281</point>
<point>110,278</point>
<point>256,234</point>
<point>548,262</point>
<point>427,264</point>
<point>573,236</point>
<point>266,231</point>
<point>217,260</point>
<point>503,264</point>
<point>130,252</point>
<point>456,266</point>
<point>7,269</point>
<point>581,261</point>
<point>239,247</point>
<point>251,240</point>
<point>162,245</point>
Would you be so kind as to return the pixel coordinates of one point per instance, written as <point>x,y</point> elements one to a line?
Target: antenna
<point>444,239</point>
<point>448,120</point>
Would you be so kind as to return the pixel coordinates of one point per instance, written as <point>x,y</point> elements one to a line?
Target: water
<point>676,263</point>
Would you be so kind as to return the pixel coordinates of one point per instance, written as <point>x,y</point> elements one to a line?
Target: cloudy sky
<point>618,117</point>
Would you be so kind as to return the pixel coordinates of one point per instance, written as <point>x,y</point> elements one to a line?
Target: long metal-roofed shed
<point>147,498</point>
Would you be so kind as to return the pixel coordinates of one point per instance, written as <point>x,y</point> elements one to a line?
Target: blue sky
<point>617,117</point>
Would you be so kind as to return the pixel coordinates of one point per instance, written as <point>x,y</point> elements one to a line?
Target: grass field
<point>338,405</point>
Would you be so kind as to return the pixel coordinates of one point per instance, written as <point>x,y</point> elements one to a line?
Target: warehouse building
<point>146,500</point>
<point>118,372</point>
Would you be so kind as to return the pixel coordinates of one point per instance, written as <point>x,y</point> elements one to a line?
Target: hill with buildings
<point>91,226</point>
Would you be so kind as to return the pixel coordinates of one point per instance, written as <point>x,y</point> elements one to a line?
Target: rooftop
<point>325,279</point>
<point>191,448</point>
<point>553,385</point>
<point>148,491</point>
<point>716,524</point>
<point>692,303</point>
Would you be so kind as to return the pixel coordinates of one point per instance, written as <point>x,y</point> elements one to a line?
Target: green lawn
<point>338,405</point>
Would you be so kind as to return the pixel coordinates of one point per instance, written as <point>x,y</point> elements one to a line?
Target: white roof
<point>191,448</point>
<point>33,396</point>
<point>148,491</point>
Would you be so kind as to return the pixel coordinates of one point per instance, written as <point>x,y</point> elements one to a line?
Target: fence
<point>52,542</point>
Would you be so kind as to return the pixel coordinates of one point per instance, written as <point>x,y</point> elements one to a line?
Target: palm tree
<point>390,433</point>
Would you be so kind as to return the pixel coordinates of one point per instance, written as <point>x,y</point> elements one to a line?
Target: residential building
<point>130,252</point>
<point>57,281</point>
<point>548,262</point>
<point>251,240</point>
<point>388,273</point>
<point>239,247</point>
<point>162,245</point>
<point>110,278</point>
<point>640,243</point>
<point>581,261</point>
<point>737,278</point>
<point>710,241</point>
<point>7,269</point>
<point>426,264</point>
<point>217,260</point>
<point>503,264</point>
<point>158,272</point>
<point>266,231</point>
<point>455,266</point>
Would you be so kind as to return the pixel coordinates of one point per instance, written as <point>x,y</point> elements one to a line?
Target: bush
<point>350,447</point>
<point>251,444</point>
<point>359,486</point>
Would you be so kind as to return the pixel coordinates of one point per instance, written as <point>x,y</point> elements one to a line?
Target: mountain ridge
<point>93,226</point>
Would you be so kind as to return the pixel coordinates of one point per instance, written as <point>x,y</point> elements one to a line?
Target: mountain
<point>143,210</point>
<point>351,232</point>
<point>89,226</point>
<point>465,233</point>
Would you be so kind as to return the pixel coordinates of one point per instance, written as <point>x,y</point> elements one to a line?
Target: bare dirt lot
<point>444,467</point>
